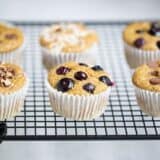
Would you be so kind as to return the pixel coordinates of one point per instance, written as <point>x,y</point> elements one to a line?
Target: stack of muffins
<point>142,51</point>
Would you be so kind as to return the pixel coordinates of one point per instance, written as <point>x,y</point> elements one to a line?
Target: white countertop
<point>59,10</point>
<point>99,150</point>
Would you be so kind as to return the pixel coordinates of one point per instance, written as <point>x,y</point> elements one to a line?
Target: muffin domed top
<point>12,78</point>
<point>79,79</point>
<point>68,38</point>
<point>143,35</point>
<point>147,76</point>
<point>11,38</point>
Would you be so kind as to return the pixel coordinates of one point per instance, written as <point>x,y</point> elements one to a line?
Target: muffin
<point>61,43</point>
<point>78,91</point>
<point>141,43</point>
<point>11,44</point>
<point>146,80</point>
<point>13,88</point>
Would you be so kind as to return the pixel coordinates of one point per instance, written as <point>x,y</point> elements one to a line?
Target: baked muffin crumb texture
<point>147,76</point>
<point>11,38</point>
<point>68,38</point>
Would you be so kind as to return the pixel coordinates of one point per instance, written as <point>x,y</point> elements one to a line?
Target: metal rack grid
<point>122,118</point>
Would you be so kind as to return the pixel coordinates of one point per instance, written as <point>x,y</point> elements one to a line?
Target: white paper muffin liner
<point>12,103</point>
<point>51,59</point>
<point>136,57</point>
<point>77,107</point>
<point>14,56</point>
<point>148,101</point>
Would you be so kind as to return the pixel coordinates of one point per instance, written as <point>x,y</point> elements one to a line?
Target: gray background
<point>42,10</point>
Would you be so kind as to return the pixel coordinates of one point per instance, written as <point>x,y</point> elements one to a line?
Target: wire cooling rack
<point>122,119</point>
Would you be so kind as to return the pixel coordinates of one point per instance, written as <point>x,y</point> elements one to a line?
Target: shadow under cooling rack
<point>122,118</point>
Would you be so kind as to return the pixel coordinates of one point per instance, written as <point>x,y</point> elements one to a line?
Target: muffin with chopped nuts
<point>141,43</point>
<point>11,44</point>
<point>78,91</point>
<point>146,80</point>
<point>68,42</point>
<point>13,88</point>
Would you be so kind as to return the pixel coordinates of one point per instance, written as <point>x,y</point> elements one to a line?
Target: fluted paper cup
<point>148,101</point>
<point>12,103</point>
<point>14,57</point>
<point>136,57</point>
<point>51,59</point>
<point>78,107</point>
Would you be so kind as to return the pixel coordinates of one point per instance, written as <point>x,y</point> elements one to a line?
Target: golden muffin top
<point>68,38</point>
<point>147,76</point>
<point>11,38</point>
<point>143,35</point>
<point>12,78</point>
<point>79,79</point>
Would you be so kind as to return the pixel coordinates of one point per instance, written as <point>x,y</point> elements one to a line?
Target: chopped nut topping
<point>3,68</point>
<point>58,29</point>
<point>6,75</point>
<point>9,75</point>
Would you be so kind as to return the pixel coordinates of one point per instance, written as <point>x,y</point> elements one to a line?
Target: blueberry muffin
<point>146,80</point>
<point>78,91</point>
<point>13,88</point>
<point>67,42</point>
<point>11,43</point>
<point>141,42</point>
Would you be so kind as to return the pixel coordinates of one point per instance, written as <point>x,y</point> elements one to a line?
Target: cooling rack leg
<point>3,131</point>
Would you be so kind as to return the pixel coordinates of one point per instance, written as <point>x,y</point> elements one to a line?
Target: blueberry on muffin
<point>79,79</point>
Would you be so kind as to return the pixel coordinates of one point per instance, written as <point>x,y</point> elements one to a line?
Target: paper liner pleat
<point>51,59</point>
<point>77,107</point>
<point>148,101</point>
<point>14,57</point>
<point>11,104</point>
<point>136,57</point>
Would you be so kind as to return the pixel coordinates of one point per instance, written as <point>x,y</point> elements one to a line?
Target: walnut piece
<point>5,82</point>
<point>6,76</point>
